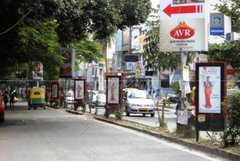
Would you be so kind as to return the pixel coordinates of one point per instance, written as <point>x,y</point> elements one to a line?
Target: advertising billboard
<point>113,93</point>
<point>67,68</point>
<point>210,93</point>
<point>183,26</point>
<point>209,89</point>
<point>79,89</point>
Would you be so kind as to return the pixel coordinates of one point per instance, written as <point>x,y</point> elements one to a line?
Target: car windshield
<point>138,94</point>
<point>101,96</point>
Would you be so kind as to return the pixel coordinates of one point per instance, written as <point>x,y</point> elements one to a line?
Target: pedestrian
<point>12,99</point>
<point>5,99</point>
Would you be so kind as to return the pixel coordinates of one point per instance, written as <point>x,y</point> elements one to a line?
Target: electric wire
<point>4,32</point>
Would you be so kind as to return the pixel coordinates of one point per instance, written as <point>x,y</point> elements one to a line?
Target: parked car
<point>100,99</point>
<point>70,97</point>
<point>92,98</point>
<point>139,102</point>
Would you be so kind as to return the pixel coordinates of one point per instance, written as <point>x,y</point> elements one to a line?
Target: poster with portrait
<point>113,92</point>
<point>210,88</point>
<point>79,88</point>
<point>55,90</point>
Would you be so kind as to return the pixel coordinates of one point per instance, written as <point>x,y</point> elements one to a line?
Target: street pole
<point>183,93</point>
<point>180,128</point>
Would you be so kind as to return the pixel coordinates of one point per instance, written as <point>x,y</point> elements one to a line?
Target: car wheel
<point>152,114</point>
<point>127,113</point>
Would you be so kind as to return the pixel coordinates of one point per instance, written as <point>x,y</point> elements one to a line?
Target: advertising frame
<point>113,90</point>
<point>79,89</point>
<point>209,96</point>
<point>54,90</point>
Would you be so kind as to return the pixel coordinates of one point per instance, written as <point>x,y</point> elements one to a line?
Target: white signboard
<point>182,117</point>
<point>183,25</point>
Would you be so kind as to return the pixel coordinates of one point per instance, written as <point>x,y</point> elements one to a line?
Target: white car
<point>101,99</point>
<point>139,102</point>
<point>69,97</point>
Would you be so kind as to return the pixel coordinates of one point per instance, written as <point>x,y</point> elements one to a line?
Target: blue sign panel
<point>217,31</point>
<point>216,24</point>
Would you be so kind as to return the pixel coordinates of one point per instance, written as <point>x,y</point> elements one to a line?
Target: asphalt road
<point>54,135</point>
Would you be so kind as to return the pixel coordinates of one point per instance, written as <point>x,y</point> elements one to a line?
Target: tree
<point>133,13</point>
<point>74,20</point>
<point>231,8</point>
<point>228,51</point>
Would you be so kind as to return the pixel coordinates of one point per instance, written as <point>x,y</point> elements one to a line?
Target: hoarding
<point>209,89</point>
<point>210,93</point>
<point>113,93</point>
<point>38,71</point>
<point>67,68</point>
<point>183,26</point>
<point>79,89</point>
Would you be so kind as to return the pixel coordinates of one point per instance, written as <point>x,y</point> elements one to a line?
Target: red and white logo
<point>182,31</point>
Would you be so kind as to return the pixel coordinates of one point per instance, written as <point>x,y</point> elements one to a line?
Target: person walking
<point>12,98</point>
<point>5,99</point>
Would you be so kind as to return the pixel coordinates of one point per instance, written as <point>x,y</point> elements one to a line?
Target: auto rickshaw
<point>36,98</point>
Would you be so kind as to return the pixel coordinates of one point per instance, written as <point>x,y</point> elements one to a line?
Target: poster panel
<point>67,68</point>
<point>55,90</point>
<point>210,89</point>
<point>113,92</point>
<point>38,71</point>
<point>79,89</point>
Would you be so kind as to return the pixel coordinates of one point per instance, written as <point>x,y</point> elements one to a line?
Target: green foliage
<point>228,51</point>
<point>132,12</point>
<point>87,50</point>
<point>39,42</point>
<point>33,29</point>
<point>119,114</point>
<point>231,135</point>
<point>176,87</point>
<point>231,8</point>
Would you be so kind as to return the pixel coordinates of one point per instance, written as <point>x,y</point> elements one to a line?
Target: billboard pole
<point>183,93</point>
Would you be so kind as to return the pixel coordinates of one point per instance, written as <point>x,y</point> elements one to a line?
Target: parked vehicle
<point>92,98</point>
<point>36,98</point>
<point>100,99</point>
<point>139,102</point>
<point>70,97</point>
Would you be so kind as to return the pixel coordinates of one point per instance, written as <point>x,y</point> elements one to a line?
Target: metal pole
<point>183,93</point>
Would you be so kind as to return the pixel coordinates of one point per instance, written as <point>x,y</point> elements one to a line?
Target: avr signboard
<point>183,25</point>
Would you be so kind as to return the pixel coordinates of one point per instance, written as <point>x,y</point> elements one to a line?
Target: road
<point>55,135</point>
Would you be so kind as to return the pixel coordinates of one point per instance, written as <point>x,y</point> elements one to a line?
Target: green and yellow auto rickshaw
<point>36,98</point>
